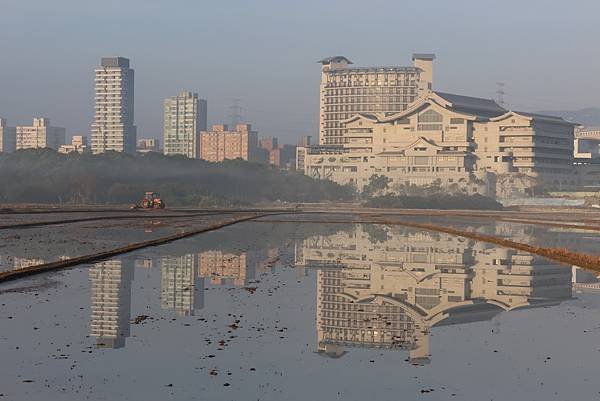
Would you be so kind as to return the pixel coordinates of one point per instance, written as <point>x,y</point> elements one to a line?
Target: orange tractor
<point>151,200</point>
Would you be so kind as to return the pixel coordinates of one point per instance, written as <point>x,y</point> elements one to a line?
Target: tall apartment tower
<point>8,137</point>
<point>40,135</point>
<point>184,118</point>
<point>113,127</point>
<point>346,91</point>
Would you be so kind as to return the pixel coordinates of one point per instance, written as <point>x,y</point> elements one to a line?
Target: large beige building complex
<point>184,118</point>
<point>468,143</point>
<point>8,137</point>
<point>40,135</point>
<point>347,90</point>
<point>113,127</point>
<point>220,143</point>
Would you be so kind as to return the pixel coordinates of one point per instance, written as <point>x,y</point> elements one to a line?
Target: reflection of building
<point>181,290</point>
<point>221,144</point>
<point>111,302</point>
<point>20,263</point>
<point>387,289</point>
<point>223,268</point>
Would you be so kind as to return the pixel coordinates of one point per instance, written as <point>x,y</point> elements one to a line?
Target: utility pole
<point>500,93</point>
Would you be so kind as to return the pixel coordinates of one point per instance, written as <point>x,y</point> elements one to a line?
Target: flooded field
<point>303,310</point>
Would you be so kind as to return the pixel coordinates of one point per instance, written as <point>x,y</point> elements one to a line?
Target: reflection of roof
<point>473,105</point>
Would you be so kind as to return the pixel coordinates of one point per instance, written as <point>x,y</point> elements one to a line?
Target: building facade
<point>346,91</point>
<point>220,143</point>
<point>113,128</point>
<point>586,144</point>
<point>184,118</point>
<point>8,137</point>
<point>78,144</point>
<point>40,135</point>
<point>466,143</point>
<point>145,145</point>
<point>276,154</point>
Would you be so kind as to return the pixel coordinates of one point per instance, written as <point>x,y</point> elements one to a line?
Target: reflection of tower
<point>224,267</point>
<point>181,290</point>
<point>111,302</point>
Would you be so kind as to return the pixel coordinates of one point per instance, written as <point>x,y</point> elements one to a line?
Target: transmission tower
<point>500,92</point>
<point>235,112</point>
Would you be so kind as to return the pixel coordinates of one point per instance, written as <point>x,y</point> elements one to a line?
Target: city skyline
<point>235,69</point>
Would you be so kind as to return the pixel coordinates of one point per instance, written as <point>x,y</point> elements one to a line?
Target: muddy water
<point>287,311</point>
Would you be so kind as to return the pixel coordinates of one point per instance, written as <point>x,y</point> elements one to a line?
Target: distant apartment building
<point>346,91</point>
<point>275,154</point>
<point>184,118</point>
<point>220,143</point>
<point>8,137</point>
<point>40,135</point>
<point>145,145</point>
<point>460,142</point>
<point>305,140</point>
<point>78,144</point>
<point>113,128</point>
<point>586,143</point>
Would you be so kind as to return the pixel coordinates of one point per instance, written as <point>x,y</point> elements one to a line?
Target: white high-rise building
<point>184,118</point>
<point>8,137</point>
<point>382,90</point>
<point>113,127</point>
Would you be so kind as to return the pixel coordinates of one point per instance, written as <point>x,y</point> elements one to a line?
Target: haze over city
<point>264,53</point>
<point>284,200</point>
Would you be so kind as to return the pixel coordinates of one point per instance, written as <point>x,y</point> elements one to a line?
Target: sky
<point>265,52</point>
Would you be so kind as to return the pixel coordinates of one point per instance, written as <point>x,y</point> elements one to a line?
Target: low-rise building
<point>40,135</point>
<point>467,143</point>
<point>220,143</point>
<point>78,144</point>
<point>145,145</point>
<point>586,143</point>
<point>8,137</point>
<point>277,154</point>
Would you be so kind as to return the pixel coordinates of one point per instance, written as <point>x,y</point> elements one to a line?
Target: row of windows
<point>370,91</point>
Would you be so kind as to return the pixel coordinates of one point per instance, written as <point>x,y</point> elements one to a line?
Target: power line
<point>500,92</point>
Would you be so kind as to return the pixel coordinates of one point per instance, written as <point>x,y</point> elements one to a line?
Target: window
<point>426,119</point>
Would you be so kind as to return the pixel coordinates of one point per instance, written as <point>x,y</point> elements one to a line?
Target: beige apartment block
<point>387,288</point>
<point>458,142</point>
<point>347,90</point>
<point>113,128</point>
<point>40,135</point>
<point>78,144</point>
<point>184,119</point>
<point>220,143</point>
<point>8,137</point>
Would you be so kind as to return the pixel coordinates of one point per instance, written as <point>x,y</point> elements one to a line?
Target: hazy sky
<point>264,52</point>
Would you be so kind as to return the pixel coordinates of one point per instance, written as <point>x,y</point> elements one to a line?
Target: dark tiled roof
<point>473,105</point>
<point>334,59</point>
